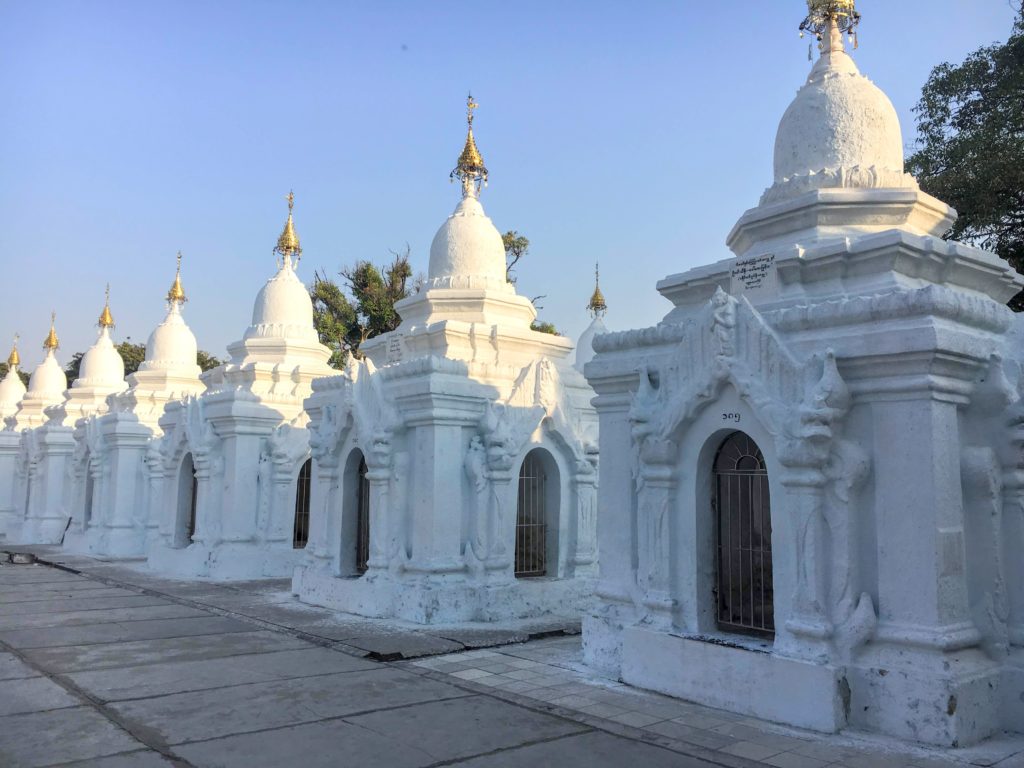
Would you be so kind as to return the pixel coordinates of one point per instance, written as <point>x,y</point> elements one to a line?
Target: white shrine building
<point>12,390</point>
<point>812,475</point>
<point>229,478</point>
<point>109,473</point>
<point>454,468</point>
<point>43,497</point>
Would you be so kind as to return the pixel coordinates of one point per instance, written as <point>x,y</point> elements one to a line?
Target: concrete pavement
<point>107,665</point>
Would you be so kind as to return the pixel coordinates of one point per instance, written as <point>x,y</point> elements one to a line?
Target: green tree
<point>346,317</point>
<point>970,146</point>
<point>516,246</point>
<point>206,361</point>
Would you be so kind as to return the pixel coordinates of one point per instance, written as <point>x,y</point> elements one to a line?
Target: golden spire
<point>597,305</point>
<point>288,242</point>
<point>177,293</point>
<point>14,359</point>
<point>470,169</point>
<point>822,15</point>
<point>106,319</point>
<point>52,342</point>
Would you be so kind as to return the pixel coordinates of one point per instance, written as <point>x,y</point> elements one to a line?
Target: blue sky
<point>630,133</point>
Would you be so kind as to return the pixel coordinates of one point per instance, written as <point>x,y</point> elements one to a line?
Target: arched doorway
<point>743,524</point>
<point>537,515</point>
<point>188,491</point>
<point>362,491</point>
<point>300,530</point>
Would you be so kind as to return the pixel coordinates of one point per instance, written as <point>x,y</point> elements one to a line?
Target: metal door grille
<point>531,519</point>
<point>300,531</point>
<point>363,519</point>
<point>190,529</point>
<point>744,598</point>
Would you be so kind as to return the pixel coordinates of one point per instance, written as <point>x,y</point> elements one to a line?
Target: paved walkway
<point>106,665</point>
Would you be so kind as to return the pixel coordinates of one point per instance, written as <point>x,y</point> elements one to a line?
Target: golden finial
<point>470,169</point>
<point>177,293</point>
<point>822,15</point>
<point>52,342</point>
<point>14,359</point>
<point>288,242</point>
<point>597,305</point>
<point>106,319</point>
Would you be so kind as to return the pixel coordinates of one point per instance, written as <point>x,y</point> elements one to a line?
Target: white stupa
<point>227,469</point>
<point>43,486</point>
<point>11,387</point>
<point>457,430</point>
<point>19,444</point>
<point>818,451</point>
<point>11,392</point>
<point>109,480</point>
<point>46,387</point>
<point>597,309</point>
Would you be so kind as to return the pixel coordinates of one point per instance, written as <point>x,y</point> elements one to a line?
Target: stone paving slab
<point>139,759</point>
<point>90,634</point>
<point>602,750</point>
<point>461,728</point>
<point>33,694</point>
<point>62,605</point>
<point>35,595</point>
<point>60,736</point>
<point>178,677</point>
<point>326,744</point>
<point>200,715</point>
<point>13,668</point>
<point>75,618</point>
<point>111,655</point>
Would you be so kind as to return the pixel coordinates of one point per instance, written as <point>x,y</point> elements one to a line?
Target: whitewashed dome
<point>467,251</point>
<point>171,345</point>
<point>841,130</point>
<point>101,365</point>
<point>585,344</point>
<point>11,391</point>
<point>48,381</point>
<point>283,308</point>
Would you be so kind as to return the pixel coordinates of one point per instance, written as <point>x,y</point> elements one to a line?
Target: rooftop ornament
<point>288,243</point>
<point>470,169</point>
<point>823,14</point>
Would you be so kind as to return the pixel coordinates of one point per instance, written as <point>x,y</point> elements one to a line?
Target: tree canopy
<point>346,317</point>
<point>970,146</point>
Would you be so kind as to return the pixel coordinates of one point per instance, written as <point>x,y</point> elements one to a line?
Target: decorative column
<point>654,498</point>
<point>585,483</point>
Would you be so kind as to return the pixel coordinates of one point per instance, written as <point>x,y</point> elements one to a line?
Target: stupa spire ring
<point>597,305</point>
<point>52,342</point>
<point>14,359</point>
<point>106,319</point>
<point>827,20</point>
<point>470,169</point>
<point>176,295</point>
<point>288,243</point>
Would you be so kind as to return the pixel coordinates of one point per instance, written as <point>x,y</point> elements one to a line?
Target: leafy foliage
<point>346,317</point>
<point>516,246</point>
<point>970,123</point>
<point>206,361</point>
<point>544,327</point>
